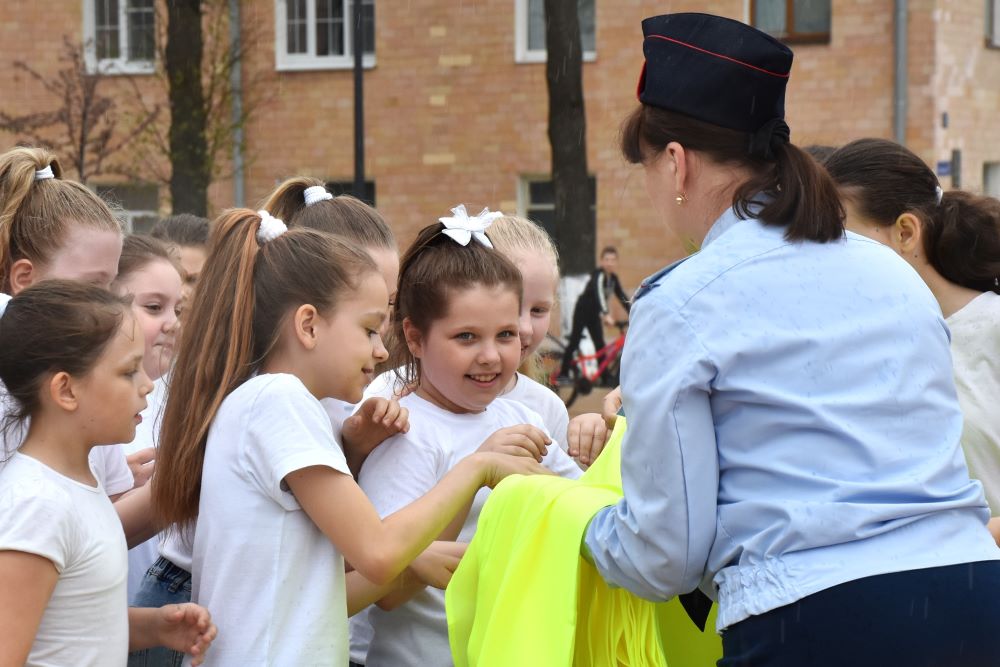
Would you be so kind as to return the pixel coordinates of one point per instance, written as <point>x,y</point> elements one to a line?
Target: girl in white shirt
<point>152,277</point>
<point>952,240</point>
<point>457,339</point>
<point>71,359</point>
<point>56,228</point>
<point>247,459</point>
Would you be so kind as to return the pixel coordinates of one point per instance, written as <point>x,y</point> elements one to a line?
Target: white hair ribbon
<point>270,227</point>
<point>4,300</point>
<point>938,194</point>
<point>314,194</point>
<point>462,227</point>
<point>44,174</point>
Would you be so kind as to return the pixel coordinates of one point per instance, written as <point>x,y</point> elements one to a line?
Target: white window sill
<point>120,67</point>
<point>311,63</point>
<point>530,57</point>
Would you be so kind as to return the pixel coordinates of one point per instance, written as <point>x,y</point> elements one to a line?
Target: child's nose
<point>524,326</point>
<point>379,351</point>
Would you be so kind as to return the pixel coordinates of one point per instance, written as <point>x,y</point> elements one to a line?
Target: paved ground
<point>589,403</point>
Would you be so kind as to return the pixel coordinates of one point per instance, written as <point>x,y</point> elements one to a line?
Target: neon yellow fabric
<point>523,596</point>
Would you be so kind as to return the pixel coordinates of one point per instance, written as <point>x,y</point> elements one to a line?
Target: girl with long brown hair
<point>281,319</point>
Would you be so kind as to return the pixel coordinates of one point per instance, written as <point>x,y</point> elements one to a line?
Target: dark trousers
<point>588,318</point>
<point>938,617</point>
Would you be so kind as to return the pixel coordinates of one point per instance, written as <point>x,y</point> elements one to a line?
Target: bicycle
<point>586,370</point>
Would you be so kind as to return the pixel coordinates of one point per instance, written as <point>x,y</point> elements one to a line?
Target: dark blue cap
<point>714,69</point>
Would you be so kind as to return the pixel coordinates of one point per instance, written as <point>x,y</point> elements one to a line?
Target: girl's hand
<point>187,628</point>
<point>376,420</point>
<point>495,467</point>
<point>141,464</point>
<point>521,440</point>
<point>612,404</point>
<point>437,563</point>
<point>586,437</point>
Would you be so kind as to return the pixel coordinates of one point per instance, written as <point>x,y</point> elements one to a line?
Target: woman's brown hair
<point>51,327</point>
<point>960,234</point>
<point>35,213</point>
<point>244,295</point>
<point>800,196</point>
<point>138,250</point>
<point>431,269</point>
<point>343,215</point>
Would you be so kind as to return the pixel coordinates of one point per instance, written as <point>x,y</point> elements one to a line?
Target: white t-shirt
<point>75,526</point>
<point>147,434</point>
<point>975,352</point>
<point>545,402</point>
<point>273,582</point>
<point>107,461</point>
<point>338,411</point>
<point>403,469</point>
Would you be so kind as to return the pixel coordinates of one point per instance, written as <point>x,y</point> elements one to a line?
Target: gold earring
<point>680,199</point>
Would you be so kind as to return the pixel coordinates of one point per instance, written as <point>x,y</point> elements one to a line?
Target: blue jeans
<point>164,583</point>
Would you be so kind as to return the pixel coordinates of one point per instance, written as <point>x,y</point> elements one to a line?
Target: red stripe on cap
<point>719,55</point>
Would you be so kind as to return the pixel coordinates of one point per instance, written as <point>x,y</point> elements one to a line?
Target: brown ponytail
<point>961,234</point>
<point>34,214</point>
<point>244,294</point>
<point>803,198</point>
<point>343,215</point>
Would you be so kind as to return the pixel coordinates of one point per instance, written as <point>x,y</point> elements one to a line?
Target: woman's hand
<point>521,440</point>
<point>586,437</point>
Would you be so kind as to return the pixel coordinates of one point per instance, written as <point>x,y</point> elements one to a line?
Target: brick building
<point>456,105</point>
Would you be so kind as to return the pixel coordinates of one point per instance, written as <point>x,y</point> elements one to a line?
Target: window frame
<point>524,203</point>
<point>790,36</point>
<point>992,24</point>
<point>298,62</point>
<point>111,194</point>
<point>522,54</point>
<point>122,64</point>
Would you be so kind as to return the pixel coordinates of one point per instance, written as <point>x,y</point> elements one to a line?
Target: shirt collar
<point>730,218</point>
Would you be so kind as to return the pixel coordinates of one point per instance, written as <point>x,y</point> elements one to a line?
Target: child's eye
<point>539,311</point>
<point>465,335</point>
<point>508,334</point>
<point>371,332</point>
<point>153,307</point>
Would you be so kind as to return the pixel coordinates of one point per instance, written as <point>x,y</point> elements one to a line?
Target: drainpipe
<point>900,81</point>
<point>236,91</point>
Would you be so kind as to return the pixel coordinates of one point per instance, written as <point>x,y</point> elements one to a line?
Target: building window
<point>537,201</point>
<point>136,204</point>
<point>318,34</point>
<point>529,30</point>
<point>337,188</point>
<point>991,179</point>
<point>801,21</point>
<point>120,36</point>
<point>993,23</point>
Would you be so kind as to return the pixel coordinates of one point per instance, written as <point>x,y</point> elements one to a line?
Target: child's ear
<point>22,275</point>
<point>304,322</point>
<point>414,338</point>
<point>62,391</point>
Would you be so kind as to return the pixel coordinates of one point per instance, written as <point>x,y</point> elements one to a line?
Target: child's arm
<point>187,628</point>
<point>433,567</point>
<point>26,584</point>
<point>376,420</point>
<point>380,549</point>
<point>135,511</point>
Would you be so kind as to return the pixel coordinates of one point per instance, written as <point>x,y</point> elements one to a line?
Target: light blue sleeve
<point>655,542</point>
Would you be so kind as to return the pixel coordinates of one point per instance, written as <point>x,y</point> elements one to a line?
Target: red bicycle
<point>586,370</point>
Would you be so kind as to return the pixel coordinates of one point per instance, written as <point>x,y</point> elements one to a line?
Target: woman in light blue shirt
<point>793,441</point>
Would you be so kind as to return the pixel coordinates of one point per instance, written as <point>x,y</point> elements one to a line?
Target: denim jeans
<point>164,583</point>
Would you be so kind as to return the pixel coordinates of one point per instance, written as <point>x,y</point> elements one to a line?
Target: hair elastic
<point>270,227</point>
<point>44,174</point>
<point>314,194</point>
<point>462,227</point>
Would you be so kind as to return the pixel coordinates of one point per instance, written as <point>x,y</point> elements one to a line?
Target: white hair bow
<point>4,300</point>
<point>314,194</point>
<point>462,227</point>
<point>44,174</point>
<point>270,227</point>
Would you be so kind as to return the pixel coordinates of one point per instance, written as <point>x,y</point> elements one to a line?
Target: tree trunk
<point>574,226</point>
<point>190,175</point>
